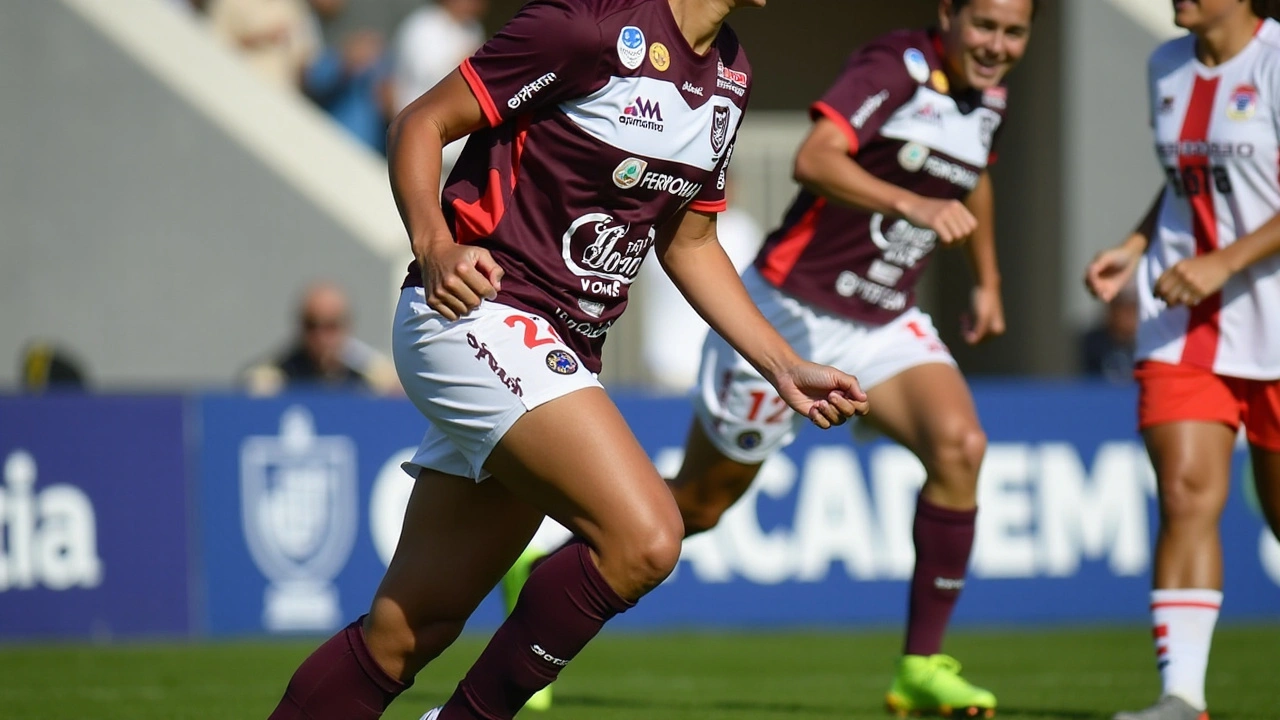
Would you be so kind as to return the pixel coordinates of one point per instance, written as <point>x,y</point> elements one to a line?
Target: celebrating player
<point>599,129</point>
<point>1207,260</point>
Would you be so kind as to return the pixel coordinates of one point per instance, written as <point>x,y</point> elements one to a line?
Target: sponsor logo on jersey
<point>884,273</point>
<point>722,179</point>
<point>719,128</point>
<point>849,284</point>
<point>598,245</point>
<point>659,57</point>
<point>940,82</point>
<point>902,244</point>
<point>749,439</point>
<point>867,109</point>
<point>631,47</point>
<point>628,173</point>
<point>582,327</point>
<point>561,362</point>
<point>730,79</point>
<point>1166,104</point>
<point>927,114</point>
<point>996,98</point>
<point>644,114</point>
<point>527,92</point>
<point>917,66</point>
<point>592,307</point>
<point>951,172</point>
<point>1243,102</point>
<point>675,185</point>
<point>912,156</point>
<point>485,355</point>
<point>1200,148</point>
<point>691,88</point>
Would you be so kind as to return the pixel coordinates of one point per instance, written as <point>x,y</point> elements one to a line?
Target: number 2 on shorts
<point>531,339</point>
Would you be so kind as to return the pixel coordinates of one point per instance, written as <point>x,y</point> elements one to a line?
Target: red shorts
<point>1170,393</point>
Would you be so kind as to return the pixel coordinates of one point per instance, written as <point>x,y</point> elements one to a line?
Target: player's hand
<point>987,317</point>
<point>825,395</point>
<point>950,219</point>
<point>1110,271</point>
<point>456,278</point>
<point>1192,280</point>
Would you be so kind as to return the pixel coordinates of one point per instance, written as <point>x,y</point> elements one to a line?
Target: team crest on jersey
<point>917,66</point>
<point>1243,102</point>
<point>912,156</point>
<point>628,173</point>
<point>659,56</point>
<point>719,128</point>
<point>631,47</point>
<point>561,362</point>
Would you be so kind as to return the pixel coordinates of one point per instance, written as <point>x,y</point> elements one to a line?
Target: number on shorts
<point>531,339</point>
<point>757,404</point>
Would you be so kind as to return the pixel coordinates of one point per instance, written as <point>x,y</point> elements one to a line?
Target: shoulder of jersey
<point>908,50</point>
<point>1172,53</point>
<point>1269,35</point>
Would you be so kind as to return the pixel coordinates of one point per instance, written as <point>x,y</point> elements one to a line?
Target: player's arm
<point>691,255</point>
<point>825,166</point>
<point>1111,269</point>
<point>988,306</point>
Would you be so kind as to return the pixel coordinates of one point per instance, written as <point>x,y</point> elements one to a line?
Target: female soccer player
<point>599,128</point>
<point>1207,260</point>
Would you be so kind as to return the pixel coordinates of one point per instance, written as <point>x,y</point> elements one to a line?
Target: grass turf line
<point>1037,675</point>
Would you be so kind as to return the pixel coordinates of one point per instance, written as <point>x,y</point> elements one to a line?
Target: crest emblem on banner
<point>298,507</point>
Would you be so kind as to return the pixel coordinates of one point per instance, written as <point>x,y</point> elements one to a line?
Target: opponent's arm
<point>692,256</point>
<point>1192,280</point>
<point>824,166</point>
<point>455,277</point>
<point>1111,269</point>
<point>988,306</point>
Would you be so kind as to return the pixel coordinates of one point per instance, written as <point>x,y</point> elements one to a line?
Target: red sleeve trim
<point>709,206</point>
<point>821,109</point>
<point>481,92</point>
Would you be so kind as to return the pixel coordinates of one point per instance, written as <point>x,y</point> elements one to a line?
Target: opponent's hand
<point>987,317</point>
<point>1192,280</point>
<point>825,395</point>
<point>950,219</point>
<point>456,278</point>
<point>1110,271</point>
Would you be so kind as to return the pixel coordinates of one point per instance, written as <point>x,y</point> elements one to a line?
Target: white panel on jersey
<point>933,120</point>
<point>650,118</point>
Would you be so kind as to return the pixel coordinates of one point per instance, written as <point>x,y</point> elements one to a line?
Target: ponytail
<point>1266,8</point>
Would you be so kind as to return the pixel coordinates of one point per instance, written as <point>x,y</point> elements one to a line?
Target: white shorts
<point>742,413</point>
<point>475,376</point>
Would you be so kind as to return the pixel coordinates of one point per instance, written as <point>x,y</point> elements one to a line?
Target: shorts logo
<point>940,82</point>
<point>561,362</point>
<point>912,156</point>
<point>628,173</point>
<point>719,128</point>
<point>631,47</point>
<point>1243,103</point>
<point>483,353</point>
<point>659,56</point>
<point>749,439</point>
<point>917,66</point>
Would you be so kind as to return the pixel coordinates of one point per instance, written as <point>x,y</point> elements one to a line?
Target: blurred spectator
<point>324,354</point>
<point>46,366</point>
<point>280,38</point>
<point>347,81</point>
<point>672,332</point>
<point>1106,350</point>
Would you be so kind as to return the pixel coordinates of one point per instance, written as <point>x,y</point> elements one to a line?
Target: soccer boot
<point>1170,707</point>
<point>511,585</point>
<point>931,685</point>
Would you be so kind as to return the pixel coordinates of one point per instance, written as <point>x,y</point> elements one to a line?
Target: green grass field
<point>1074,674</point>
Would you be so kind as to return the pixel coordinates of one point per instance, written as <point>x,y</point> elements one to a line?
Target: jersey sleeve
<point>549,52</point>
<point>873,84</point>
<point>711,198</point>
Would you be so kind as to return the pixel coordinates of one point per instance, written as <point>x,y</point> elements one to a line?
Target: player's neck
<point>1219,44</point>
<point>700,21</point>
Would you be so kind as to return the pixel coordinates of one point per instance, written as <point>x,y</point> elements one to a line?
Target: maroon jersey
<point>603,125</point>
<point>907,128</point>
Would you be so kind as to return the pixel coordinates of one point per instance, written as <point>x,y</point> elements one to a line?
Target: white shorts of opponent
<point>741,412</point>
<point>474,377</point>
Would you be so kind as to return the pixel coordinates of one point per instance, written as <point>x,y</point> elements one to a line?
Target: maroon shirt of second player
<point>604,124</point>
<point>906,127</point>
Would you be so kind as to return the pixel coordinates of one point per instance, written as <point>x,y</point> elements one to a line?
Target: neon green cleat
<point>931,685</point>
<point>511,585</point>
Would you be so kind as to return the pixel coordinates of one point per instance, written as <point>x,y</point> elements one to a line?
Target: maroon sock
<point>563,605</point>
<point>943,539</point>
<point>339,681</point>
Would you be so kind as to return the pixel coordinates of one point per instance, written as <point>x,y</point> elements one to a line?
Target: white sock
<point>1183,623</point>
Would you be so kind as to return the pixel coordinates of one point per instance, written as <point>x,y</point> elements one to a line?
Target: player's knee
<point>960,449</point>
<point>1185,501</point>
<point>651,558</point>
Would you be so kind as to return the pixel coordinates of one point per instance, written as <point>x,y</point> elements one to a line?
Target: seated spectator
<point>324,355</point>
<point>280,38</point>
<point>1106,350</point>
<point>48,367</point>
<point>347,82</point>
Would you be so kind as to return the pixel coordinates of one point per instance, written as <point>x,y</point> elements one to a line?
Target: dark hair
<point>1266,8</point>
<point>958,5</point>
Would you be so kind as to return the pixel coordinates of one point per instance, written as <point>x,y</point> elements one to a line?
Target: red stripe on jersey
<point>1185,604</point>
<point>785,255</point>
<point>481,92</point>
<point>709,206</point>
<point>1203,329</point>
<point>821,109</point>
<point>477,220</point>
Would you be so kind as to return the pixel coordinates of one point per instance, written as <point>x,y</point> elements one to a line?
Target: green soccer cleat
<point>931,685</point>
<point>511,585</point>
